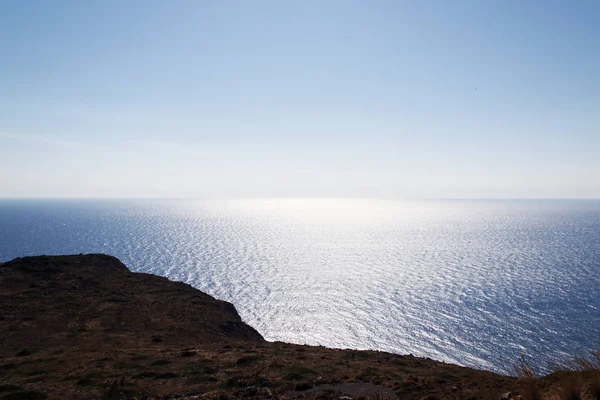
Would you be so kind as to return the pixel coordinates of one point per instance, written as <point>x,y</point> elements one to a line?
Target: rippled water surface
<point>471,282</point>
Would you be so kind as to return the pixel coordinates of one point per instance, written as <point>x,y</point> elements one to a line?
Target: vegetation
<point>577,379</point>
<point>77,342</point>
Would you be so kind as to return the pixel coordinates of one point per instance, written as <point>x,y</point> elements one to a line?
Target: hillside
<point>85,327</point>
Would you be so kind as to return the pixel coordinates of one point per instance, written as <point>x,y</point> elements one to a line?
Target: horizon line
<point>292,197</point>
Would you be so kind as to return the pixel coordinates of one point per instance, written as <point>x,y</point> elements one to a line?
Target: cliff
<point>87,299</point>
<point>85,327</point>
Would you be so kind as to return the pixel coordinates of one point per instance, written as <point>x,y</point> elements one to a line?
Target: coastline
<point>85,326</point>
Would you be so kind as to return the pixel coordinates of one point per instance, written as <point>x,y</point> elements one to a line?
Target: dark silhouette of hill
<point>70,300</point>
<point>85,327</point>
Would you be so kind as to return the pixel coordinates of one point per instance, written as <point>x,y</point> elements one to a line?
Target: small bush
<point>245,381</point>
<point>142,375</point>
<point>166,375</point>
<point>298,369</point>
<point>85,382</point>
<point>28,395</point>
<point>201,367</point>
<point>160,362</point>
<point>23,353</point>
<point>248,360</point>
<point>303,386</point>
<point>8,366</point>
<point>293,377</point>
<point>9,388</point>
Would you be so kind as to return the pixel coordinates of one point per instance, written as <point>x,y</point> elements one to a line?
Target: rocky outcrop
<point>85,327</point>
<point>50,301</point>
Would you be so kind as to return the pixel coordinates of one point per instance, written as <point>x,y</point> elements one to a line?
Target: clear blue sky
<point>300,98</point>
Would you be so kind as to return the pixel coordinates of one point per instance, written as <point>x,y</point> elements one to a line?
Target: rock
<point>70,301</point>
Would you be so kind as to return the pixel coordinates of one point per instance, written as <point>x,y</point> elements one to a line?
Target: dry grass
<point>530,385</point>
<point>577,379</point>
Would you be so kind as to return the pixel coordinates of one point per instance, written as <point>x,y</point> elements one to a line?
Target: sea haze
<point>470,282</point>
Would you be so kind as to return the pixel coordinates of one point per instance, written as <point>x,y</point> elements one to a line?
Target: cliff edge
<point>85,327</point>
<point>78,300</point>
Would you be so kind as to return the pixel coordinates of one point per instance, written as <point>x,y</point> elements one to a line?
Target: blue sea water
<point>470,282</point>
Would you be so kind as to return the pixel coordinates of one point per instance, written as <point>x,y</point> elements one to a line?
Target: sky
<point>221,99</point>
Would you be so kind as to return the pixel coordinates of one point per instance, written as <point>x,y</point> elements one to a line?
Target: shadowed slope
<point>85,327</point>
<point>66,300</point>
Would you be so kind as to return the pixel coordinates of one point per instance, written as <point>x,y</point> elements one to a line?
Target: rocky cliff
<point>86,299</point>
<point>85,327</point>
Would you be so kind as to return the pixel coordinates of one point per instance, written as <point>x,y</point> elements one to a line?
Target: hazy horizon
<point>184,99</point>
<point>216,198</point>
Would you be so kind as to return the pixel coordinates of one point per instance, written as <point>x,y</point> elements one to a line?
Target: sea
<point>473,282</point>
